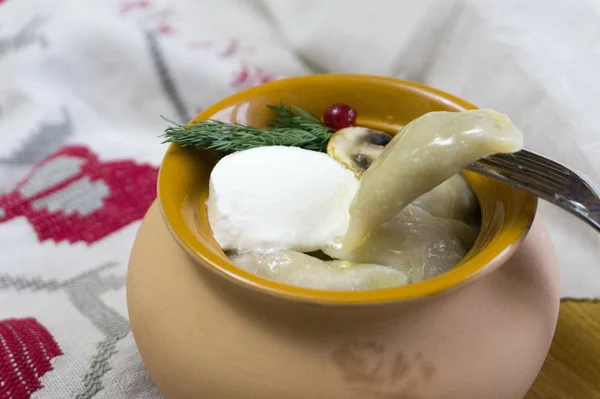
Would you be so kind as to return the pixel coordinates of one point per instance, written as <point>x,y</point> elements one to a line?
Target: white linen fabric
<point>82,85</point>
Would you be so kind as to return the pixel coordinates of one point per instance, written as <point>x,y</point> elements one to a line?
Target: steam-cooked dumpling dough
<point>453,199</point>
<point>302,270</point>
<point>426,152</point>
<point>421,245</point>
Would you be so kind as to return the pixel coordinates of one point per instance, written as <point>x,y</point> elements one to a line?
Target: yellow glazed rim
<point>507,213</point>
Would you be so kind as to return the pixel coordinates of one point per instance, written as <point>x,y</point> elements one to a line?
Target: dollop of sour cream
<point>277,197</point>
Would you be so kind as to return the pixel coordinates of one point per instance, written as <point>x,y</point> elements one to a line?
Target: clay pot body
<point>203,336</point>
<point>207,329</point>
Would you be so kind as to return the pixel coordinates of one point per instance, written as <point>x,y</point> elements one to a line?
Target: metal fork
<point>546,179</point>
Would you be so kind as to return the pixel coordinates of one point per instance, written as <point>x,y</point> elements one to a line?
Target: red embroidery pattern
<point>132,5</point>
<point>251,76</point>
<point>232,47</point>
<point>247,75</point>
<point>158,19</point>
<point>92,200</point>
<point>26,349</point>
<point>164,27</point>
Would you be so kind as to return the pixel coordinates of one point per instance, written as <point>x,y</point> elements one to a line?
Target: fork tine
<point>525,160</point>
<point>547,179</point>
<point>515,178</point>
<point>523,172</point>
<point>544,162</point>
<point>531,174</point>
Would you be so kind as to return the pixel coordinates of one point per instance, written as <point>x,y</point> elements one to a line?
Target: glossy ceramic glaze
<point>207,329</point>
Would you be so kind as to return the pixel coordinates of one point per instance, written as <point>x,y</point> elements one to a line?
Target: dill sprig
<point>290,126</point>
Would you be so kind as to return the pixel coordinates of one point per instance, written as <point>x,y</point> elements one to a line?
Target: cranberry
<point>339,116</point>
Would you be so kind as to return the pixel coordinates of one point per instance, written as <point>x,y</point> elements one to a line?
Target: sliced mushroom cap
<point>357,147</point>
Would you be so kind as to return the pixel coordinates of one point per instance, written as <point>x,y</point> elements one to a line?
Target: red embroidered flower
<point>74,196</point>
<point>26,349</point>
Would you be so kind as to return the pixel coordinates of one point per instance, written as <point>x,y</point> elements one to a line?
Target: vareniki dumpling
<point>415,242</point>
<point>453,199</point>
<point>303,270</point>
<point>426,152</point>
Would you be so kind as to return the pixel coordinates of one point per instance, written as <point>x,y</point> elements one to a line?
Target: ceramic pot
<point>207,329</point>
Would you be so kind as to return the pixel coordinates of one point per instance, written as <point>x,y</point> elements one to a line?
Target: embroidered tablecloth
<point>82,85</point>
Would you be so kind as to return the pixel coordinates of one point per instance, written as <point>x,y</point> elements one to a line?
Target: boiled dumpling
<point>426,152</point>
<point>295,268</point>
<point>453,199</point>
<point>418,244</point>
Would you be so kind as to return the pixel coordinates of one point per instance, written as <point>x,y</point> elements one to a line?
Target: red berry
<point>339,116</point>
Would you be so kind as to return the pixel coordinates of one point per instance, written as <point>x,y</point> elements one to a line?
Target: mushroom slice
<point>357,147</point>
